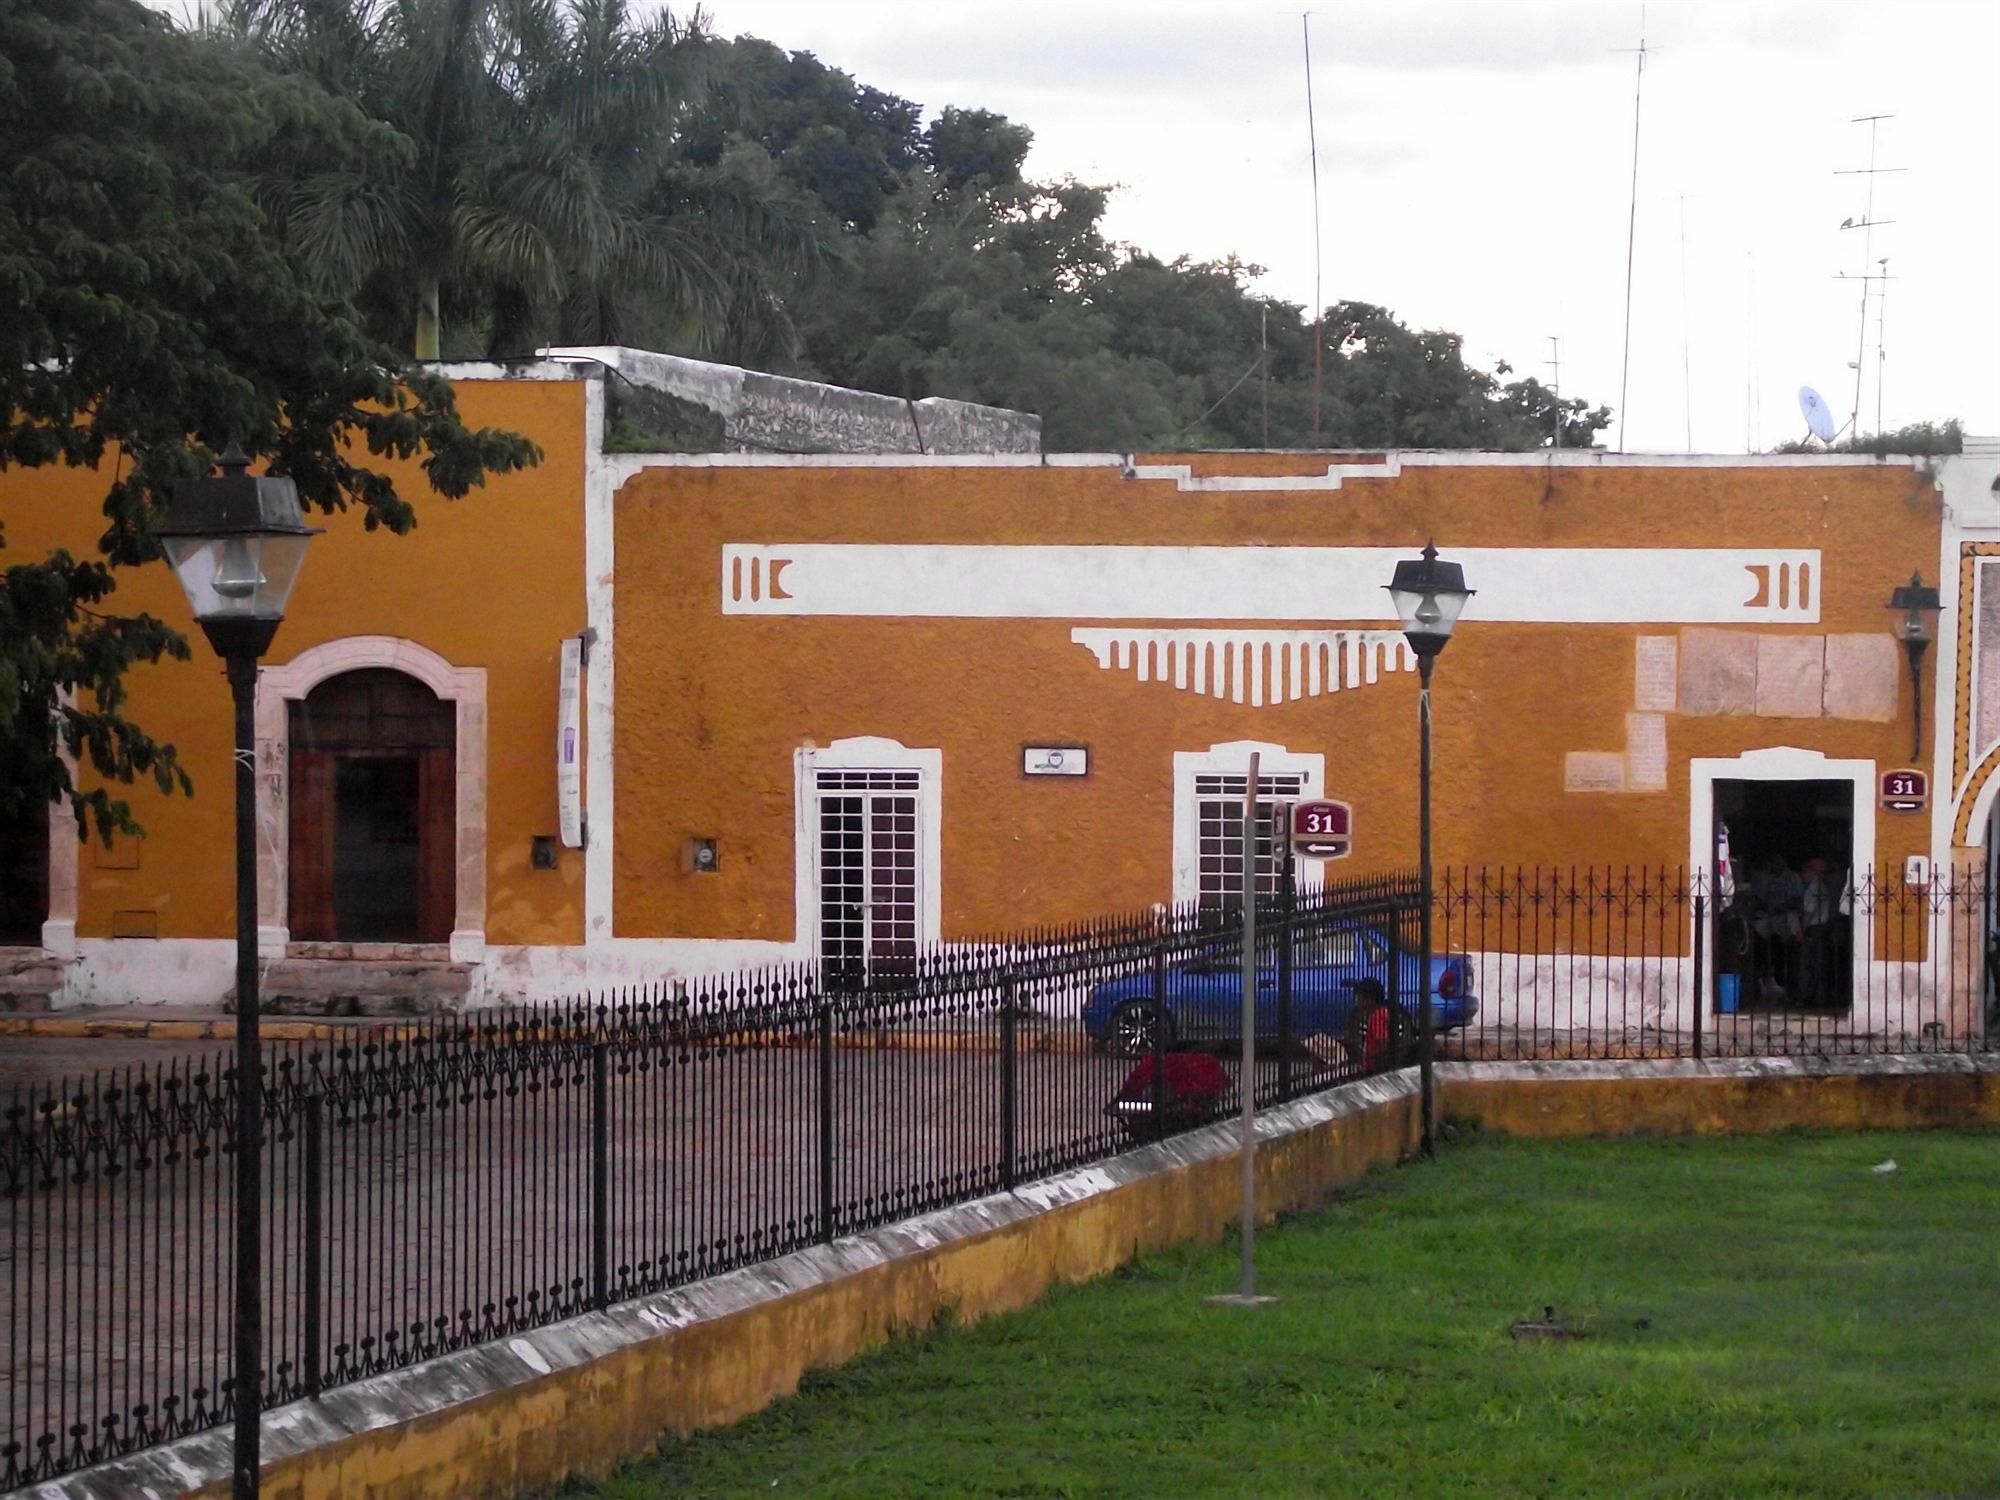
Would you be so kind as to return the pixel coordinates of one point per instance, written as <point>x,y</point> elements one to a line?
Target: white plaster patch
<point>1593,771</point>
<point>1863,673</point>
<point>1656,674</point>
<point>1646,752</point>
<point>1718,672</point>
<point>529,1355</point>
<point>1791,676</point>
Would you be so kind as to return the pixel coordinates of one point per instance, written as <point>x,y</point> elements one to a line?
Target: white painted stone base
<point>186,972</point>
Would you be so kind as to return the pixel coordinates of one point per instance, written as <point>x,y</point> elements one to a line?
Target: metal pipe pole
<point>1248,1287</point>
<point>1427,1086</point>
<point>242,672</point>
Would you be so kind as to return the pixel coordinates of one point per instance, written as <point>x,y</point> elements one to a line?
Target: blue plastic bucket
<point>1728,994</point>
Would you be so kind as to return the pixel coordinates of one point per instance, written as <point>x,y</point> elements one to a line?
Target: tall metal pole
<point>1248,1288</point>
<point>242,671</point>
<point>1427,1085</point>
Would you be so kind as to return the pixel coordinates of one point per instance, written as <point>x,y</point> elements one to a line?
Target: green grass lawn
<point>1763,1316</point>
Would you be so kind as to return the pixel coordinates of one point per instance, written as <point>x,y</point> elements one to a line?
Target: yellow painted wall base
<point>527,1412</point>
<point>585,1419</point>
<point>1721,1098</point>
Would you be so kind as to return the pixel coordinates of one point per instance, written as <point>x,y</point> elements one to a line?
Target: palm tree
<point>540,192</point>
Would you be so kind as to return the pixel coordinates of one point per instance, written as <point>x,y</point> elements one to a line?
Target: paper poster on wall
<point>569,750</point>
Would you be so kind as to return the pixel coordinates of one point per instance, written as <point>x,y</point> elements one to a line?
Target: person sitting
<point>1377,1032</point>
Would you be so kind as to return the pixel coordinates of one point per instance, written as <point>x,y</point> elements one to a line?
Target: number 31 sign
<point>1322,830</point>
<point>1905,791</point>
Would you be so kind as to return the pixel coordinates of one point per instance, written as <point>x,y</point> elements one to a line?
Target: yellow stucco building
<point>874,673</point>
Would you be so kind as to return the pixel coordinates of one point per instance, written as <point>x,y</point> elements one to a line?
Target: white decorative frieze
<point>1256,667</point>
<point>1557,585</point>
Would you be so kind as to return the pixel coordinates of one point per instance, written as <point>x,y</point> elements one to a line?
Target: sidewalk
<point>158,1023</point>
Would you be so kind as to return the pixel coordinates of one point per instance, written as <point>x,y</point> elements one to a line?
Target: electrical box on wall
<point>1917,870</point>
<point>700,856</point>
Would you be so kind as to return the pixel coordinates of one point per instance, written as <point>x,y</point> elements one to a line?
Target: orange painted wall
<point>711,707</point>
<point>494,580</point>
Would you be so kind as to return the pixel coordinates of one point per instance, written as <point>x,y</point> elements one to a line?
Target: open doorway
<point>24,875</point>
<point>1785,935</point>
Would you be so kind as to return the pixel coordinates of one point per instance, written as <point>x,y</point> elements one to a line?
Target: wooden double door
<point>374,803</point>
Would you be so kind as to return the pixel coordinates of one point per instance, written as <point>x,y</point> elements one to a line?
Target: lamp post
<point>1916,607</point>
<point>236,543</point>
<point>1428,595</point>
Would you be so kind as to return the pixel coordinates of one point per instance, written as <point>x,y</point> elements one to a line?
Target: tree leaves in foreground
<point>150,316</point>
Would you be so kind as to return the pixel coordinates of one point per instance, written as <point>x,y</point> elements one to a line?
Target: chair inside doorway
<point>373,811</point>
<point>1785,934</point>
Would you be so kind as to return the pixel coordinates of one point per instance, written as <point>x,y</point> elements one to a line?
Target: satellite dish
<point>1818,418</point>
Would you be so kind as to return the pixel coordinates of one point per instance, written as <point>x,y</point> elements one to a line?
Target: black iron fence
<point>432,1187</point>
<point>1635,962</point>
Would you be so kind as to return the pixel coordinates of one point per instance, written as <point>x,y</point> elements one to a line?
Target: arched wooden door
<point>374,825</point>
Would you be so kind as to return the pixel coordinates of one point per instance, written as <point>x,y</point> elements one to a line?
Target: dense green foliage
<point>1761,1317</point>
<point>151,315</point>
<point>1918,438</point>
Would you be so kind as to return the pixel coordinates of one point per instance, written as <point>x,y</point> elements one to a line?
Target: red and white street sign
<point>1322,830</point>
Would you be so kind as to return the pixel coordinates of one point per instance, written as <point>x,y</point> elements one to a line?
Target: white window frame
<point>866,753</point>
<point>1232,758</point>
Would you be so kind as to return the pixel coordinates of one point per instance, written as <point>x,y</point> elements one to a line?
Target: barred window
<point>1219,833</point>
<point>868,875</point>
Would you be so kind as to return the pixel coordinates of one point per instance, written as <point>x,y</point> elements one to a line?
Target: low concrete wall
<point>1740,1095</point>
<point>580,1395</point>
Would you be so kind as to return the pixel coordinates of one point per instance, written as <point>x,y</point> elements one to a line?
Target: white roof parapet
<point>779,414</point>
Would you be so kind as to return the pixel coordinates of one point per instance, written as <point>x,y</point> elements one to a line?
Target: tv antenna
<point>1631,224</point>
<point>1867,224</point>
<point>1312,142</point>
<point>1819,418</point>
<point>1555,364</point>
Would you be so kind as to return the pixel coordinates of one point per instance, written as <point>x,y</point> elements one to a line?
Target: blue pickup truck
<point>1204,993</point>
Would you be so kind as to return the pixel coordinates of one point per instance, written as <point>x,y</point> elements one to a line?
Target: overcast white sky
<point>1475,162</point>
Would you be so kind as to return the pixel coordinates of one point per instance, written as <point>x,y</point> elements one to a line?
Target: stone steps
<point>30,979</point>
<point>352,986</point>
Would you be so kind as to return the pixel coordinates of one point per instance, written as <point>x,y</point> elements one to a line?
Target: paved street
<point>461,1208</point>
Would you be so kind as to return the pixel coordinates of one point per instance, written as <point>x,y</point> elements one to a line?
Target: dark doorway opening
<point>24,876</point>
<point>373,812</point>
<point>1785,938</point>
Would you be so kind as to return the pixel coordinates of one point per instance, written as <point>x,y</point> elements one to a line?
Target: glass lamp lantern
<point>236,542</point>
<point>1429,595</point>
<point>1915,606</point>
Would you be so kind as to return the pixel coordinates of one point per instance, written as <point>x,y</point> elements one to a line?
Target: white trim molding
<point>1232,758</point>
<point>866,753</point>
<point>278,687</point>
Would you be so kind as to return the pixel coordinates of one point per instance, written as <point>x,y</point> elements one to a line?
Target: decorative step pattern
<point>1257,667</point>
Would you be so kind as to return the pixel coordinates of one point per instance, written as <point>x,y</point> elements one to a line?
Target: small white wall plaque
<point>1055,760</point>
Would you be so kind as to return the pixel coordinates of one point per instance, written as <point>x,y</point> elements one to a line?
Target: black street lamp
<point>1916,607</point>
<point>236,543</point>
<point>1428,595</point>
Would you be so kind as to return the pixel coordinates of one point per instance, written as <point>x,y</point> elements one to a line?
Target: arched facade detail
<point>463,687</point>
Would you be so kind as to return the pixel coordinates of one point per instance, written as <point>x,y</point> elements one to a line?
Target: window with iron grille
<point>869,882</point>
<point>1219,833</point>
